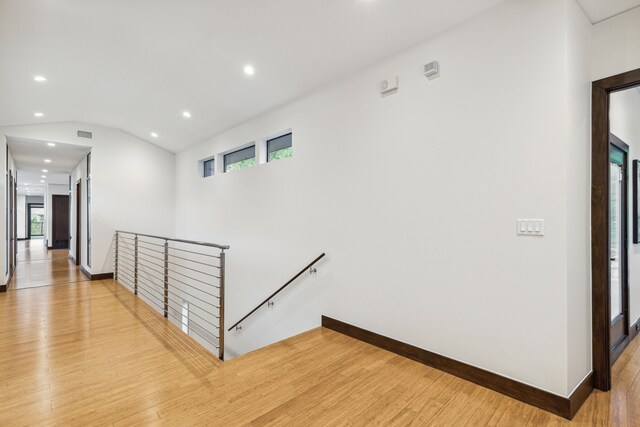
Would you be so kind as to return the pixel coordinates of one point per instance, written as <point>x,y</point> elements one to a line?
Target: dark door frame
<point>29,206</point>
<point>600,298</point>
<point>11,224</point>
<point>78,221</point>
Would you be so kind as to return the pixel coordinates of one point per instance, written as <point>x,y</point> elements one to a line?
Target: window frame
<point>237,150</point>
<point>211,160</point>
<point>270,140</point>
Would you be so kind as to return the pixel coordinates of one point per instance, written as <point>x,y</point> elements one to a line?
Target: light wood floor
<point>37,266</point>
<point>89,353</point>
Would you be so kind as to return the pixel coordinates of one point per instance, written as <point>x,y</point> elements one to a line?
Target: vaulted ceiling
<point>137,65</point>
<point>599,10</point>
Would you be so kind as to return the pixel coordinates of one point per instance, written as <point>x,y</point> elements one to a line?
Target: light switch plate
<point>530,227</point>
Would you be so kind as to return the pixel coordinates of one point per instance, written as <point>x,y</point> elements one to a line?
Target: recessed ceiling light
<point>40,79</point>
<point>249,70</point>
<point>43,176</point>
<point>51,144</point>
<point>38,114</point>
<point>186,114</point>
<point>47,161</point>
<point>42,180</point>
<point>45,170</point>
<point>153,134</point>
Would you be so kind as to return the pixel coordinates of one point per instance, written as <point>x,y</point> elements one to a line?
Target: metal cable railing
<point>268,301</point>
<point>182,279</point>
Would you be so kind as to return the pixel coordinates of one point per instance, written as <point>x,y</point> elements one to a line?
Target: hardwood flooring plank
<point>76,352</point>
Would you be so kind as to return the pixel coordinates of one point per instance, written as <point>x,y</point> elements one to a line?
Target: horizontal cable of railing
<point>182,279</point>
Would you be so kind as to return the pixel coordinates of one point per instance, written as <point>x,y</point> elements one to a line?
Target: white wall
<point>615,45</point>
<point>415,198</point>
<point>625,124</point>
<point>21,216</point>
<point>132,183</point>
<point>578,193</point>
<point>48,213</point>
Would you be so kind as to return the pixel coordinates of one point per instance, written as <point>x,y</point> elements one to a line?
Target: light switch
<point>530,227</point>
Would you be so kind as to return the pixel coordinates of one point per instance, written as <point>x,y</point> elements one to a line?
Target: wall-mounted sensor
<point>432,69</point>
<point>389,85</point>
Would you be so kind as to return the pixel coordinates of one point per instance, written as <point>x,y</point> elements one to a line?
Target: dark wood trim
<point>100,276</point>
<point>634,329</point>
<point>635,209</point>
<point>580,395</point>
<point>78,231</point>
<point>85,272</point>
<point>600,239</point>
<point>5,286</point>
<point>562,406</point>
<point>600,304</point>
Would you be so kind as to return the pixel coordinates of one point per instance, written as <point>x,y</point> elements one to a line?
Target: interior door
<point>78,221</point>
<point>11,225</point>
<point>60,221</point>
<point>618,250</point>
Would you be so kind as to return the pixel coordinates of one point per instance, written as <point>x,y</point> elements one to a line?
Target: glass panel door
<point>615,238</point>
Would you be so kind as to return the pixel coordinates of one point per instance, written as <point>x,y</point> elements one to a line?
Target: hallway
<point>82,352</point>
<point>37,266</point>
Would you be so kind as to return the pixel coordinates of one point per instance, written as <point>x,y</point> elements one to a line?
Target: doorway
<point>60,221</point>
<point>609,232</point>
<point>11,216</point>
<point>78,221</point>
<point>35,220</point>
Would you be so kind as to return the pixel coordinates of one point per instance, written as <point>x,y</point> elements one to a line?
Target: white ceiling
<point>599,10</point>
<point>29,182</point>
<point>29,156</point>
<point>136,65</point>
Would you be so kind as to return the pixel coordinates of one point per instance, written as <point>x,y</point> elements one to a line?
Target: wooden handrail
<point>279,290</point>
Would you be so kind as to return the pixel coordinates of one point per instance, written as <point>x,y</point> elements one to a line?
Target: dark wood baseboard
<point>100,276</point>
<point>580,395</point>
<point>5,287</point>
<point>634,330</point>
<point>562,406</point>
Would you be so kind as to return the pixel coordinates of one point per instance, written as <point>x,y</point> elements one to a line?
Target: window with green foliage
<point>37,223</point>
<point>279,148</point>
<point>240,159</point>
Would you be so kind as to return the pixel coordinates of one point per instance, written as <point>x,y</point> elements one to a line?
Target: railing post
<point>135,267</point>
<point>166,278</point>
<point>221,312</point>
<point>115,269</point>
